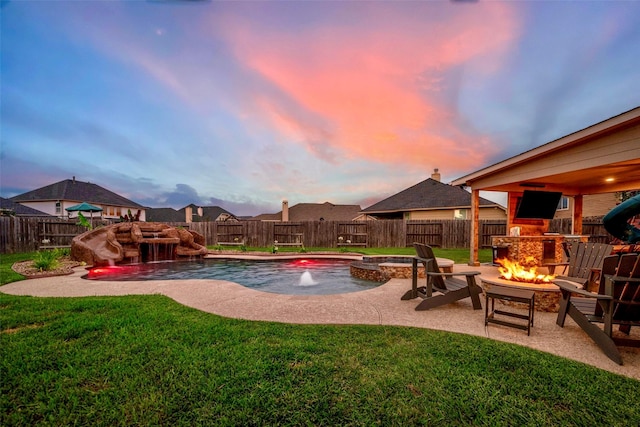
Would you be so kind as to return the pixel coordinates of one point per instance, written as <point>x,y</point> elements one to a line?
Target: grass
<point>7,275</point>
<point>148,360</point>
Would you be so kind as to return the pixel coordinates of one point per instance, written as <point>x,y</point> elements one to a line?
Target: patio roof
<point>602,158</point>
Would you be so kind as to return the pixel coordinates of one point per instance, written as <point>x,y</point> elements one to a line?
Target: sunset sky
<point>243,104</point>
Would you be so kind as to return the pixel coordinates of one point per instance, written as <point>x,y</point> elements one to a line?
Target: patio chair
<point>450,287</point>
<point>617,302</point>
<point>584,263</point>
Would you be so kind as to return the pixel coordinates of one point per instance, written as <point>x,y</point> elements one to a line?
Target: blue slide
<point>615,222</point>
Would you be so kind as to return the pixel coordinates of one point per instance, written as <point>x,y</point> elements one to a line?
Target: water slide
<point>616,222</point>
<point>114,243</point>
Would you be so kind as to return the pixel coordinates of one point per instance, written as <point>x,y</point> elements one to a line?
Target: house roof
<point>429,194</point>
<point>72,190</point>
<point>315,212</point>
<point>164,215</point>
<point>267,217</point>
<point>18,209</point>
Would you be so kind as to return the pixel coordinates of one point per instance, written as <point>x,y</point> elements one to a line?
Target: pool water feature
<point>298,276</point>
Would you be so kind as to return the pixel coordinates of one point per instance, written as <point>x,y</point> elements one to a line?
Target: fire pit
<point>514,275</point>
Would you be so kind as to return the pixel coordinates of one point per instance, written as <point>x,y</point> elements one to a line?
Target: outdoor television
<point>537,204</point>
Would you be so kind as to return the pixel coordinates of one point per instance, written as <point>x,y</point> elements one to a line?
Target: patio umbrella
<point>85,207</point>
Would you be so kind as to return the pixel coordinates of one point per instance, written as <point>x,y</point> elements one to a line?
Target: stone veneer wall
<point>380,268</point>
<point>547,300</point>
<point>383,272</point>
<point>519,248</point>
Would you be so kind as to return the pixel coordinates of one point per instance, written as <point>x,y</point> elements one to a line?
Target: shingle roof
<point>267,217</point>
<point>315,212</point>
<point>18,209</point>
<point>428,194</point>
<point>164,215</point>
<point>323,211</point>
<point>76,191</point>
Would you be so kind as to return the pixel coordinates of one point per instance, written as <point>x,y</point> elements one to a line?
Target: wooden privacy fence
<point>30,234</point>
<point>27,234</point>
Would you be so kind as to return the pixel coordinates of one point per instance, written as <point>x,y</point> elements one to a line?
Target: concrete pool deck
<point>379,306</point>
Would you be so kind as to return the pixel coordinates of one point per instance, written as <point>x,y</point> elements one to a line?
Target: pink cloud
<point>378,88</point>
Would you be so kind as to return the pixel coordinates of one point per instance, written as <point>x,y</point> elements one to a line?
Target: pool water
<point>298,277</point>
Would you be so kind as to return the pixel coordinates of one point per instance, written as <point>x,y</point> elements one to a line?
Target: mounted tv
<point>537,204</point>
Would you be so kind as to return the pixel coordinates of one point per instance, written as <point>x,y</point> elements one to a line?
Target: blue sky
<point>243,104</point>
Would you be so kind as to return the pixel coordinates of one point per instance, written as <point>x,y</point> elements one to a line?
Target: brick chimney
<point>435,175</point>
<point>285,211</point>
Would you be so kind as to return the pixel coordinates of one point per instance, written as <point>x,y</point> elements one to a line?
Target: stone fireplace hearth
<point>547,295</point>
<point>545,249</point>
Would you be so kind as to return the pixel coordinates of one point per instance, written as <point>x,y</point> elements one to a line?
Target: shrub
<point>46,260</point>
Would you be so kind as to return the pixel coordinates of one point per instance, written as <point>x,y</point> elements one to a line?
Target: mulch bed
<point>26,268</point>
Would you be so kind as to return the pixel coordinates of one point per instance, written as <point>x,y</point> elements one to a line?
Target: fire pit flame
<point>514,271</point>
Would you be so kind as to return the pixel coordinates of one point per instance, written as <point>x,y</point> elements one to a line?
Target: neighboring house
<point>193,213</point>
<point>190,213</point>
<point>592,205</point>
<point>431,199</point>
<point>11,208</point>
<point>312,212</point>
<point>164,215</point>
<point>54,199</point>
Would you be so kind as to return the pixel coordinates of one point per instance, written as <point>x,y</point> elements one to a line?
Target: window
<point>563,204</point>
<point>461,214</point>
<point>58,207</point>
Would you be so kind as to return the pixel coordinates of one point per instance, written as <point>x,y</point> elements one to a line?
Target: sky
<point>242,104</point>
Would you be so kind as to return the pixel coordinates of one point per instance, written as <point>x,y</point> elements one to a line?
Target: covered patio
<point>602,158</point>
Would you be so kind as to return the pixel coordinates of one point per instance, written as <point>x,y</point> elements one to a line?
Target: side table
<point>508,294</point>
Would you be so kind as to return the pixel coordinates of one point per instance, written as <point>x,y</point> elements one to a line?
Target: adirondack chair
<point>616,303</point>
<point>584,264</point>
<point>450,287</point>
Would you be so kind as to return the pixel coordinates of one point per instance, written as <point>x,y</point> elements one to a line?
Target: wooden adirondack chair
<point>616,303</point>
<point>585,263</point>
<point>450,287</point>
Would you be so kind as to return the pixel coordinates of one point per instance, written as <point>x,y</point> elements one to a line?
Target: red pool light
<point>104,271</point>
<point>304,262</point>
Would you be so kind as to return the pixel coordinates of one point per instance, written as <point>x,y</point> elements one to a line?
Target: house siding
<point>435,214</point>
<point>49,207</point>
<point>492,213</point>
<point>592,205</point>
<point>446,214</point>
<point>46,207</point>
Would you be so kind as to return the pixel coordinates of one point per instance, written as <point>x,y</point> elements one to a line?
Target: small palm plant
<point>46,260</point>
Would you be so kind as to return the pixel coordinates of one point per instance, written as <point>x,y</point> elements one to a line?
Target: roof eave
<point>562,142</point>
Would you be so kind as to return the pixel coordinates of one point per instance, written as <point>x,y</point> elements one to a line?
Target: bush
<point>46,260</point>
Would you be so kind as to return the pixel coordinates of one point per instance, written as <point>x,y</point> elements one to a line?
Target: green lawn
<point>148,360</point>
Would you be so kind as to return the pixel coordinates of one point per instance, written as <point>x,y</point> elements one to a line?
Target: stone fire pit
<point>547,294</point>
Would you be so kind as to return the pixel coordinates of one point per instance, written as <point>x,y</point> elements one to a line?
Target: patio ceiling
<point>602,158</point>
<point>621,176</point>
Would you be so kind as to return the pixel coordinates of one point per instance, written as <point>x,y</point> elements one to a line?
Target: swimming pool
<point>295,276</point>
